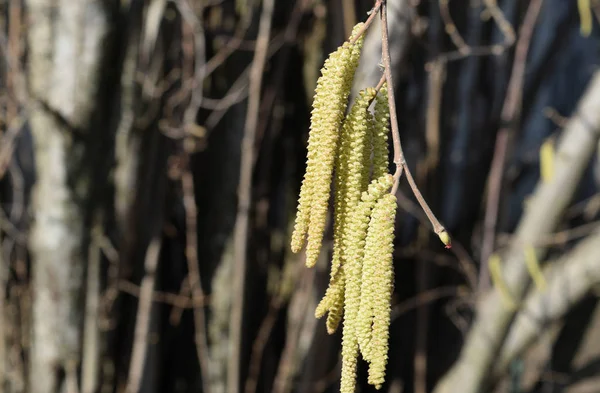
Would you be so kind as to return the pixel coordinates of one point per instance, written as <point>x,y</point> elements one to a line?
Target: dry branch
<point>578,144</point>
<point>240,239</point>
<point>142,320</point>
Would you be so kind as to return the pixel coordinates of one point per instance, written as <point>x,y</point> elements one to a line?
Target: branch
<point>399,160</point>
<point>509,116</point>
<point>240,242</point>
<point>548,202</point>
<point>400,18</point>
<point>142,319</point>
<point>569,280</point>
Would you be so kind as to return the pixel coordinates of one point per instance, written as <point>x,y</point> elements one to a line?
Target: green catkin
<point>354,247</point>
<point>381,132</point>
<point>329,107</point>
<point>379,248</point>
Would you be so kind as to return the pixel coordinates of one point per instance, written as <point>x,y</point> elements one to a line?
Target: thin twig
<point>194,279</point>
<point>194,54</point>
<point>399,160</point>
<point>451,30</point>
<point>508,116</point>
<point>260,343</point>
<point>372,15</point>
<point>240,243</point>
<point>142,320</point>
<point>398,154</point>
<point>464,49</point>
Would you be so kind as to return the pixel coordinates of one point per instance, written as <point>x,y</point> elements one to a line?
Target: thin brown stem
<point>240,242</point>
<point>372,14</point>
<point>380,83</point>
<point>399,160</point>
<point>509,115</point>
<point>385,45</point>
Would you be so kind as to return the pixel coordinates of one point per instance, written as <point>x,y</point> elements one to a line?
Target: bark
<point>66,43</point>
<point>569,280</point>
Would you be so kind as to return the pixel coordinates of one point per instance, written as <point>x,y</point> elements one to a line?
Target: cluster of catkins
<point>353,150</point>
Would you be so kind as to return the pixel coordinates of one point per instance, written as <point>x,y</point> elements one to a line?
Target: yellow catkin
<point>336,310</point>
<point>329,107</point>
<point>350,173</point>
<point>379,248</point>
<point>333,302</point>
<point>381,132</point>
<point>354,248</point>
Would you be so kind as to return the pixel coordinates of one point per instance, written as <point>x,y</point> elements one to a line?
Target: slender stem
<point>399,160</point>
<point>398,154</point>
<point>372,14</point>
<point>380,83</point>
<point>240,236</point>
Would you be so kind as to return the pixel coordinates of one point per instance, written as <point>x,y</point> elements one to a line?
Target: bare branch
<point>569,280</point>
<point>578,144</point>
<point>240,241</point>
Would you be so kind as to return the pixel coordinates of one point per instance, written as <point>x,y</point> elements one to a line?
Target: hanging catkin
<point>349,179</point>
<point>329,107</point>
<point>351,160</point>
<point>380,134</point>
<point>377,288</point>
<point>354,248</point>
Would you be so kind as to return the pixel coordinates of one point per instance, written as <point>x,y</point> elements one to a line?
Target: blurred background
<point>151,155</point>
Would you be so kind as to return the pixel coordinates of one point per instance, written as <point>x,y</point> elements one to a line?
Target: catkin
<point>357,233</point>
<point>329,107</point>
<point>336,310</point>
<point>350,174</point>
<point>333,302</point>
<point>381,132</point>
<point>378,262</point>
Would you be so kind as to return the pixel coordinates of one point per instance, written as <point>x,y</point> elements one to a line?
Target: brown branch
<point>509,116</point>
<point>569,279</point>
<point>260,343</point>
<point>464,49</point>
<point>142,320</point>
<point>399,159</point>
<point>194,279</point>
<point>451,30</point>
<point>578,143</point>
<point>240,242</point>
<point>372,15</point>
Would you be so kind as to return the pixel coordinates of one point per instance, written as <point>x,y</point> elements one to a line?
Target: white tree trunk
<point>65,40</point>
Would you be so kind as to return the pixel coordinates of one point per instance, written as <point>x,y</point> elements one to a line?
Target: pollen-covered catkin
<point>379,248</point>
<point>354,246</point>
<point>329,107</point>
<point>333,302</point>
<point>380,135</point>
<point>351,160</point>
<point>336,310</point>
